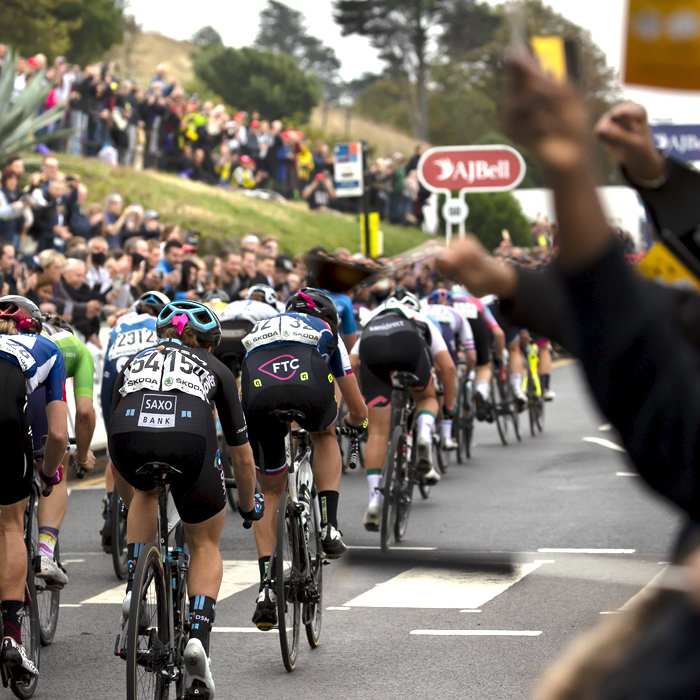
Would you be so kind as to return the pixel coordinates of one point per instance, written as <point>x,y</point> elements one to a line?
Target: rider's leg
<point>205,573</point>
<point>272,488</point>
<point>126,490</point>
<point>378,430</point>
<point>50,514</point>
<point>327,466</point>
<point>545,368</point>
<point>516,367</point>
<point>141,528</point>
<point>426,412</point>
<point>482,381</point>
<point>13,567</point>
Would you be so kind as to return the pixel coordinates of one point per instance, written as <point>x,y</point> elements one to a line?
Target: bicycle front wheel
<point>389,492</point>
<point>118,526</point>
<point>499,409</point>
<point>403,475</point>
<point>147,632</point>
<point>288,579</point>
<point>313,612</point>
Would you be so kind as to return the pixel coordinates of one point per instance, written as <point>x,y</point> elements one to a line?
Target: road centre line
<point>395,549</point>
<point>626,474</point>
<point>570,550</point>
<point>72,561</point>
<point>470,611</point>
<point>338,607</point>
<point>478,633</point>
<point>240,630</point>
<point>605,443</point>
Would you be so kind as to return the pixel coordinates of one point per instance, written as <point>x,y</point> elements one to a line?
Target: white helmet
<point>264,293</point>
<point>403,296</point>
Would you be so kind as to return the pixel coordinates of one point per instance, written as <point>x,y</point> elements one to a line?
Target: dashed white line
<point>571,550</point>
<point>339,607</point>
<point>70,605</point>
<point>605,443</point>
<point>478,633</point>
<point>626,474</point>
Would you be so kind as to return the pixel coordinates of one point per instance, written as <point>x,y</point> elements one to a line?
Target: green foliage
<point>81,30</point>
<point>207,36</point>
<point>383,102</point>
<point>253,80</point>
<point>491,212</point>
<point>19,121</point>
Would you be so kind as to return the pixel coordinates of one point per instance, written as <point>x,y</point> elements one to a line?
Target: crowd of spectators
<point>160,126</point>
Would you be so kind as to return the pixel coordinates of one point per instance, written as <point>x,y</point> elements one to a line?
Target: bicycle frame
<point>533,359</point>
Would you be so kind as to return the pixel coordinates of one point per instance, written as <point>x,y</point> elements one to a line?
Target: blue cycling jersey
<point>41,362</point>
<point>345,311</point>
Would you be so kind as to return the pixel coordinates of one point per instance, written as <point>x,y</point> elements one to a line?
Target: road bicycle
<point>533,390</point>
<point>118,531</point>
<point>154,639</point>
<point>296,564</point>
<point>463,425</point>
<point>504,405</point>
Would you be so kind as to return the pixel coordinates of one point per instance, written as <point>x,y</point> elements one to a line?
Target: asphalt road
<point>402,632</point>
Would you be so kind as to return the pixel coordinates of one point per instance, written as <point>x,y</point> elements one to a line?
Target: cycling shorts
<point>286,377</point>
<point>18,460</point>
<point>185,439</point>
<point>396,349</point>
<point>539,340</point>
<point>511,332</point>
<point>230,350</point>
<point>482,340</point>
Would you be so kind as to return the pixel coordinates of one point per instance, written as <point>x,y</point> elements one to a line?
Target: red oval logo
<point>471,168</point>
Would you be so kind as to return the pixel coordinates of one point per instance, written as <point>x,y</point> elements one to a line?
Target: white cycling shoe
<point>14,657</point>
<point>126,606</point>
<point>449,443</point>
<point>432,477</point>
<point>198,679</point>
<point>48,570</point>
<point>373,516</point>
<point>424,453</point>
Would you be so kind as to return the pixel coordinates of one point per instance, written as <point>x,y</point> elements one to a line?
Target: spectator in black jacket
<point>76,302</point>
<point>50,227</point>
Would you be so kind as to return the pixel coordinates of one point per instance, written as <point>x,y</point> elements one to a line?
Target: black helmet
<point>51,321</point>
<point>315,303</point>
<point>25,312</point>
<point>151,301</point>
<point>201,319</point>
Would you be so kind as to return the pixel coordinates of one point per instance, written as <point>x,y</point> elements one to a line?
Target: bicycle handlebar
<point>231,484</point>
<point>354,435</point>
<point>39,454</point>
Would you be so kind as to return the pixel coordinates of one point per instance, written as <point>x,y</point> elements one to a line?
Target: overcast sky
<point>237,22</point>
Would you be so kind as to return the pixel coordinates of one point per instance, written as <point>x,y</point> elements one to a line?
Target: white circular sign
<point>455,211</point>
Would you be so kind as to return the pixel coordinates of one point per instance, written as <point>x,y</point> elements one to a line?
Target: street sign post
<point>348,170</point>
<point>468,169</point>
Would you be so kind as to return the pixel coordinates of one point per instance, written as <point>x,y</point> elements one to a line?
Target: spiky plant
<point>20,121</point>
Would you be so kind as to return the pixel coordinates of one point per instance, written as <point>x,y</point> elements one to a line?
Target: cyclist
<point>161,412</point>
<point>485,330</point>
<point>133,332</point>
<point>398,337</point>
<point>237,320</point>
<point>458,336</point>
<point>544,349</point>
<point>291,363</point>
<point>80,366</point>
<point>26,362</point>
<point>346,314</point>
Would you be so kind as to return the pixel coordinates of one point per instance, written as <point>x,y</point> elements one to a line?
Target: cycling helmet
<point>402,295</point>
<point>264,293</point>
<point>151,301</point>
<point>440,296</point>
<point>202,320</point>
<point>315,303</point>
<point>50,321</point>
<point>216,295</point>
<point>26,313</point>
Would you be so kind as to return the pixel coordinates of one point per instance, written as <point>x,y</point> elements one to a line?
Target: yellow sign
<point>551,55</point>
<point>663,43</point>
<point>661,265</point>
<point>376,237</point>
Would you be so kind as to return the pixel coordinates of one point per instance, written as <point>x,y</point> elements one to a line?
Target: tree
<point>282,31</point>
<point>404,33</point>
<point>254,80</point>
<point>491,212</point>
<point>207,36</point>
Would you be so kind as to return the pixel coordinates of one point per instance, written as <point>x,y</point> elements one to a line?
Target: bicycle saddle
<point>157,469</point>
<point>402,379</point>
<point>290,416</point>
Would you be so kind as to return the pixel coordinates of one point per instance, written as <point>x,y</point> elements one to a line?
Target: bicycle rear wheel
<point>499,409</point>
<point>287,581</point>
<point>147,630</point>
<point>118,525</point>
<point>390,491</point>
<point>313,612</point>
<point>404,477</point>
<point>31,635</point>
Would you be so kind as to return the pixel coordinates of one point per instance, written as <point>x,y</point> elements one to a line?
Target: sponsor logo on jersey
<point>283,367</point>
<point>257,382</point>
<point>385,326</point>
<point>157,411</point>
<point>304,376</point>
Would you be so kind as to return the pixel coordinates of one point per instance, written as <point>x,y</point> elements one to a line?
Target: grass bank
<point>222,215</point>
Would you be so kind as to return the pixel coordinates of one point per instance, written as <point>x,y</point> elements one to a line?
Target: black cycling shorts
<point>185,439</point>
<point>391,345</point>
<point>511,332</point>
<point>482,340</point>
<point>17,460</point>
<point>230,350</point>
<point>286,377</point>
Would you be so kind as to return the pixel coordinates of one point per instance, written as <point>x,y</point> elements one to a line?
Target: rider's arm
<point>84,409</point>
<point>350,390</point>
<point>244,472</point>
<point>446,368</point>
<point>57,438</point>
<point>355,357</point>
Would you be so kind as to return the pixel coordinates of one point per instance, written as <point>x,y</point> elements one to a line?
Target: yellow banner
<point>661,265</point>
<point>376,237</point>
<point>663,43</point>
<point>551,55</point>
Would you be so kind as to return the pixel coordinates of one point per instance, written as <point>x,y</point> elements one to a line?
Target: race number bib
<point>19,352</point>
<point>131,342</point>
<point>281,329</point>
<point>168,370</point>
<point>469,310</point>
<point>441,314</point>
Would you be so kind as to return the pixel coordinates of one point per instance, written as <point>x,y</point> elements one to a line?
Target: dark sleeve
<point>643,373</point>
<point>228,405</point>
<point>116,396</point>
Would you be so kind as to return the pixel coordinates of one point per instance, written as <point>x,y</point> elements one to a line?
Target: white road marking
<point>238,575</point>
<point>240,630</point>
<point>568,550</point>
<point>340,607</point>
<point>470,611</point>
<point>439,588</point>
<point>478,633</point>
<point>397,549</point>
<point>605,427</point>
<point>626,474</point>
<point>605,443</point>
<point>70,605</point>
<point>611,612</point>
<point>645,592</point>
<point>72,561</point>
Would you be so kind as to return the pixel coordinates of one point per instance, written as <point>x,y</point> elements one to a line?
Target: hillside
<point>225,215</point>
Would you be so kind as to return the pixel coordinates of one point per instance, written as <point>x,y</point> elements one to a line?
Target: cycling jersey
<point>470,307</point>
<point>455,329</point>
<point>41,362</point>
<point>78,360</point>
<point>345,312</point>
<point>482,322</point>
<point>247,310</point>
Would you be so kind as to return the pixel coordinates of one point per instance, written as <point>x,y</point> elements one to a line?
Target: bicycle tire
<point>118,528</point>
<point>531,404</point>
<point>312,613</point>
<point>468,421</point>
<point>390,492</point>
<point>539,414</point>
<point>31,635</point>
<point>227,466</point>
<point>458,422</point>
<point>147,647</point>
<point>513,409</point>
<point>404,479</point>
<point>498,410</point>
<point>287,577</point>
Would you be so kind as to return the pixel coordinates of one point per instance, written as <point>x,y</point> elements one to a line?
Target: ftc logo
<point>283,367</point>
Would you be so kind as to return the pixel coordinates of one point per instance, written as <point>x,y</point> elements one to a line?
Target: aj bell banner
<point>678,141</point>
